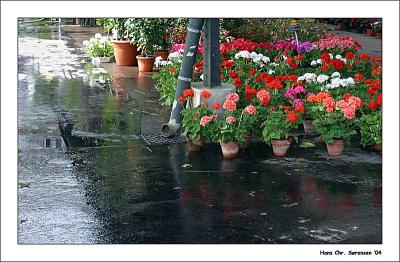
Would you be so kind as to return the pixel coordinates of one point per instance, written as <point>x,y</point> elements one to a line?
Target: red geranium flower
<point>233,74</point>
<point>205,94</point>
<point>349,56</point>
<point>363,56</point>
<point>188,93</point>
<point>181,99</point>
<point>216,106</point>
<point>379,99</point>
<point>286,108</point>
<point>237,82</point>
<point>172,70</point>
<point>325,68</point>
<point>372,105</point>
<point>292,116</point>
<point>252,71</point>
<point>299,108</point>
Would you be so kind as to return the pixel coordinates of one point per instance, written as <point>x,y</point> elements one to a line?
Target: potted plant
<point>195,119</point>
<point>277,127</point>
<point>125,51</point>
<point>370,125</point>
<point>230,131</point>
<point>377,29</point>
<point>99,48</point>
<point>335,120</point>
<point>146,33</point>
<point>164,43</point>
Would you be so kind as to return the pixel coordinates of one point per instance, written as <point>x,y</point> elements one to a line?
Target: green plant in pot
<point>125,51</point>
<point>146,33</point>
<point>277,127</point>
<point>195,122</point>
<point>370,125</point>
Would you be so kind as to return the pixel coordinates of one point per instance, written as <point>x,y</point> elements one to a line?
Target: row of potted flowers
<point>335,120</point>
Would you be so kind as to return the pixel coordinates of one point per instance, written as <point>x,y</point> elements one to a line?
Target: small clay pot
<point>164,54</point>
<point>369,32</point>
<point>229,149</point>
<point>145,63</point>
<point>377,147</point>
<point>195,145</point>
<point>125,53</point>
<point>308,127</point>
<point>335,148</point>
<point>378,35</point>
<point>280,147</point>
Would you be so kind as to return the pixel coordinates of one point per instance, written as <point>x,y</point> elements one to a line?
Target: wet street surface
<point>95,180</point>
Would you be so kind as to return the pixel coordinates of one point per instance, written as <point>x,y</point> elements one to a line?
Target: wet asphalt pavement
<point>104,184</point>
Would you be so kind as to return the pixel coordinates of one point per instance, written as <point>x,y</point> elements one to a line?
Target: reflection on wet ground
<point>98,182</point>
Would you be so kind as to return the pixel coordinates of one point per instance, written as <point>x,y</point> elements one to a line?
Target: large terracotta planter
<point>229,149</point>
<point>369,32</point>
<point>280,147</point>
<point>308,127</point>
<point>335,148</point>
<point>195,145</point>
<point>125,53</point>
<point>145,64</point>
<point>377,147</point>
<point>164,54</point>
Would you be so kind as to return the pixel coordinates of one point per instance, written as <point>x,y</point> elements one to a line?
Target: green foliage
<point>99,47</point>
<point>117,24</point>
<point>276,127</point>
<point>333,126</point>
<point>146,33</point>
<point>234,132</point>
<point>273,29</point>
<point>191,121</point>
<point>370,128</point>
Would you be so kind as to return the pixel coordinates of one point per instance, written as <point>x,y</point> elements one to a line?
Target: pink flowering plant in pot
<point>195,119</point>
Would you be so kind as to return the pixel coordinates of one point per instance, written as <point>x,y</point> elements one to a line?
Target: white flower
<point>97,36</point>
<point>349,81</point>
<point>313,63</point>
<point>92,40</point>
<point>271,72</point>
<point>158,58</point>
<point>181,51</point>
<point>284,57</point>
<point>330,55</point>
<point>319,61</point>
<point>237,55</point>
<point>253,55</point>
<point>344,60</point>
<point>336,74</point>
<point>274,64</point>
<point>202,77</point>
<point>301,78</point>
<point>103,40</point>
<point>335,82</point>
<point>322,78</point>
<point>244,54</point>
<point>328,86</point>
<point>85,43</point>
<point>338,57</point>
<point>169,63</point>
<point>265,59</point>
<point>310,77</point>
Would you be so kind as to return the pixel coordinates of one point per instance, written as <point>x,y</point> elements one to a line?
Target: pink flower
<point>349,112</point>
<point>230,105</point>
<point>206,119</point>
<point>233,96</point>
<point>230,119</point>
<point>250,109</point>
<point>263,95</point>
<point>329,103</point>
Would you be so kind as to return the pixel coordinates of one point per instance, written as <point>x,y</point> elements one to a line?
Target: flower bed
<point>281,83</point>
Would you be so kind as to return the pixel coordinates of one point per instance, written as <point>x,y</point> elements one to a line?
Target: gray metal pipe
<point>185,75</point>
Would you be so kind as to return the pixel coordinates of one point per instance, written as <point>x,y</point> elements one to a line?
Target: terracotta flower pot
<point>379,35</point>
<point>369,32</point>
<point>164,54</point>
<point>377,147</point>
<point>280,147</point>
<point>335,148</point>
<point>229,149</point>
<point>125,53</point>
<point>308,127</point>
<point>145,64</point>
<point>195,145</point>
